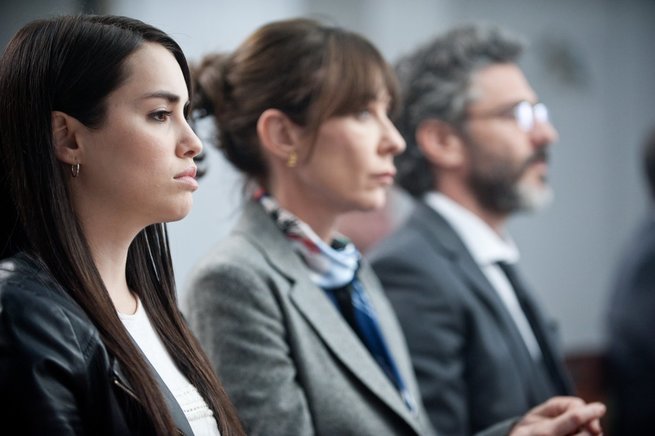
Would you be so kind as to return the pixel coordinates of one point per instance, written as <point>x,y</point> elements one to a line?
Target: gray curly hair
<point>435,83</point>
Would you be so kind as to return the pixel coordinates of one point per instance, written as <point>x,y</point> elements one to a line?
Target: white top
<point>200,417</point>
<point>487,249</point>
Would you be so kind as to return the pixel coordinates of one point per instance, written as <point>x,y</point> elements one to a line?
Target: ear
<point>63,138</point>
<point>440,143</point>
<point>280,136</point>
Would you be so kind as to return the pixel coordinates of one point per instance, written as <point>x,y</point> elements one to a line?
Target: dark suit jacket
<point>631,336</point>
<point>471,363</point>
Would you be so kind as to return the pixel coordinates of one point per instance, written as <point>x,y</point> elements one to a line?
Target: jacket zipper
<point>125,388</point>
<point>131,393</point>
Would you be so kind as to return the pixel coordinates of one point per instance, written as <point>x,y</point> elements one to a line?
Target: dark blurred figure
<point>631,324</point>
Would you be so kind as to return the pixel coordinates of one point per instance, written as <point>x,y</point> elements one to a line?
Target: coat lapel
<point>545,337</point>
<point>395,341</point>
<point>444,239</point>
<point>321,314</point>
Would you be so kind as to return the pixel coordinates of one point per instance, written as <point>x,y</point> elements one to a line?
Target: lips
<point>540,156</point>
<point>387,173</point>
<point>189,172</point>
<point>386,177</point>
<point>187,178</point>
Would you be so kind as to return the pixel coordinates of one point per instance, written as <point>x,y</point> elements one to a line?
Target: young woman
<point>96,155</point>
<point>291,315</point>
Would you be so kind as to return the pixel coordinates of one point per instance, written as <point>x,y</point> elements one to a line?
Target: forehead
<point>499,84</point>
<point>152,68</point>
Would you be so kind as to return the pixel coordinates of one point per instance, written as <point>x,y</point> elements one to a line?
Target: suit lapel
<point>444,239</point>
<point>319,311</point>
<point>346,346</point>
<point>395,341</point>
<point>544,336</point>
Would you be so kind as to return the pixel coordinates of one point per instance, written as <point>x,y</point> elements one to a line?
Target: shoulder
<point>403,242</point>
<point>23,283</point>
<point>22,272</point>
<point>233,288</point>
<point>412,265</point>
<point>236,256</point>
<point>410,248</point>
<point>52,360</point>
<point>237,269</point>
<point>37,314</point>
<point>422,230</point>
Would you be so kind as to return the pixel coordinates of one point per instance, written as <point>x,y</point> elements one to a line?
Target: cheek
<point>512,151</point>
<point>147,153</point>
<point>356,169</point>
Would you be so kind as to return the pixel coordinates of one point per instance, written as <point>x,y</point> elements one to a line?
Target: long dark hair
<point>71,64</point>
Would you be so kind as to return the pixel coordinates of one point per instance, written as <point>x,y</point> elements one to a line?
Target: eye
<point>161,115</point>
<point>363,114</point>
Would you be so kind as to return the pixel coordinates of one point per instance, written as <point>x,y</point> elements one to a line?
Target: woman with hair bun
<point>291,315</point>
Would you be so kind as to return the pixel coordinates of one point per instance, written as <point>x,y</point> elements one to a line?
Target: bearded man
<point>478,140</point>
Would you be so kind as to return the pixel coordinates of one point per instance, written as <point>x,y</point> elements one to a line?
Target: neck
<point>320,219</point>
<point>109,251</point>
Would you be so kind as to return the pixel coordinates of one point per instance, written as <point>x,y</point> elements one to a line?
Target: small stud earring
<point>293,159</point>
<point>75,169</point>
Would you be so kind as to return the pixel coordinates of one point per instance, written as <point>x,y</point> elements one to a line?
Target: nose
<point>189,144</point>
<point>392,141</point>
<point>543,133</point>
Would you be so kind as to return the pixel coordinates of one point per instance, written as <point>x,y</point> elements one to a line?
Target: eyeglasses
<point>524,113</point>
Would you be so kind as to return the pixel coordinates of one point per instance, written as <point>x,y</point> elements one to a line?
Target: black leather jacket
<point>56,375</point>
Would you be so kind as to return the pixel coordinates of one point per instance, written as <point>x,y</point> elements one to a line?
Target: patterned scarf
<point>334,269</point>
<point>330,266</point>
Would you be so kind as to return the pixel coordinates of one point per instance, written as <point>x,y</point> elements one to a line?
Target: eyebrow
<point>173,98</point>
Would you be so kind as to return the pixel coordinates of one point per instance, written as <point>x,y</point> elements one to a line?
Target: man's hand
<point>561,416</point>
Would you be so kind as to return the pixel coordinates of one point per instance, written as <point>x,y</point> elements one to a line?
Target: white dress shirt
<point>487,249</point>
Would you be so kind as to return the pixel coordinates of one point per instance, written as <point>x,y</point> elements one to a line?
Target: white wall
<point>602,109</point>
<point>14,14</point>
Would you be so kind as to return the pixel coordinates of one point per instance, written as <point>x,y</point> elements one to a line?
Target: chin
<point>372,203</point>
<point>174,219</point>
<point>534,198</point>
<point>178,212</point>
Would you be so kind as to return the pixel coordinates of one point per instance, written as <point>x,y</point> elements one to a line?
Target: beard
<point>496,182</point>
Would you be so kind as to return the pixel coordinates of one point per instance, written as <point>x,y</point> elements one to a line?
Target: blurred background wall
<point>591,61</point>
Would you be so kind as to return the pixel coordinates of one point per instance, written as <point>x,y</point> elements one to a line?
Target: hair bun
<point>209,84</point>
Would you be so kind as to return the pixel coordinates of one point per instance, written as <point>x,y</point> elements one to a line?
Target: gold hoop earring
<point>292,161</point>
<point>75,169</point>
